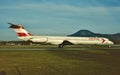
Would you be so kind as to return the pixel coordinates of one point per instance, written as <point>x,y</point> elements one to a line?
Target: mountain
<point>86,33</point>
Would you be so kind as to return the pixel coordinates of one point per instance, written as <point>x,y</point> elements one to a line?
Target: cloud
<point>80,3</point>
<point>50,15</point>
<point>61,17</point>
<point>59,9</point>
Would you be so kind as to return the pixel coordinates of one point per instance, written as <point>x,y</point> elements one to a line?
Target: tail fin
<point>19,29</point>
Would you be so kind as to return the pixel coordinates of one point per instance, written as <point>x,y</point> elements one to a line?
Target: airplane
<point>61,41</point>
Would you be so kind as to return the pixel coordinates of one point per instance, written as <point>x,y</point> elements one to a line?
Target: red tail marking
<point>24,34</point>
<point>21,34</point>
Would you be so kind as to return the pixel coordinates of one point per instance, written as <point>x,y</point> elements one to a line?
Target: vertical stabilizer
<point>19,29</point>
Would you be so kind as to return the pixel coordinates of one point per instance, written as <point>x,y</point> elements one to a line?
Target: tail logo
<point>20,30</point>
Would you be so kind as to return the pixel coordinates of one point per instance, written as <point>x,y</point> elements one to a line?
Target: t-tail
<point>20,30</point>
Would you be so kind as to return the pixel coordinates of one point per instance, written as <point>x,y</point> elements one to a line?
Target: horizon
<point>61,18</point>
<point>16,39</point>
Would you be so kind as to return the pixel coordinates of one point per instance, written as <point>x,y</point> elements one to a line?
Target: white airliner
<point>61,41</point>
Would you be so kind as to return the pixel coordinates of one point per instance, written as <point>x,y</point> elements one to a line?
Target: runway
<point>50,60</point>
<point>116,47</point>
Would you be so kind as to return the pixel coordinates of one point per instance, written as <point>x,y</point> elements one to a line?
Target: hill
<point>86,33</point>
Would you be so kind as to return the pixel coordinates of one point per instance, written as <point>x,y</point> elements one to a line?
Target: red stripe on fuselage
<point>103,40</point>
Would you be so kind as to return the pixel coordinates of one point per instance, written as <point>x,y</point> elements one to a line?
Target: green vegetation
<point>59,62</point>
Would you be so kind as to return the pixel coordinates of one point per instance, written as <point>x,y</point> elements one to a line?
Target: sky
<point>59,17</point>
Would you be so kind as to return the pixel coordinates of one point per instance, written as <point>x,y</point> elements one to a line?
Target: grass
<point>60,62</point>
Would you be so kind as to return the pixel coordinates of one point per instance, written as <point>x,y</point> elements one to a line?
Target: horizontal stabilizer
<point>14,26</point>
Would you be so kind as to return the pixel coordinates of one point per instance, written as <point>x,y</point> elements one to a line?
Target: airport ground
<point>50,60</point>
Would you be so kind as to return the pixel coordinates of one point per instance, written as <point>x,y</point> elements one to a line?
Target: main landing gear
<point>61,46</point>
<point>65,42</point>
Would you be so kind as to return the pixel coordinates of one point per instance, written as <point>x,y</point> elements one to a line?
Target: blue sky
<point>59,17</point>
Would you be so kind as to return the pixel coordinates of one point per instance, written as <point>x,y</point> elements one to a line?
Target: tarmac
<point>116,47</point>
<point>50,60</point>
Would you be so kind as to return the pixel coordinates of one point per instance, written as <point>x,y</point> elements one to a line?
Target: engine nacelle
<point>38,39</point>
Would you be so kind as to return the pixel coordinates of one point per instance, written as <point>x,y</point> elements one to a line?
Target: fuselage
<point>75,40</point>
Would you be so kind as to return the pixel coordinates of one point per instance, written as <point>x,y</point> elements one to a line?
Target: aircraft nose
<point>110,42</point>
